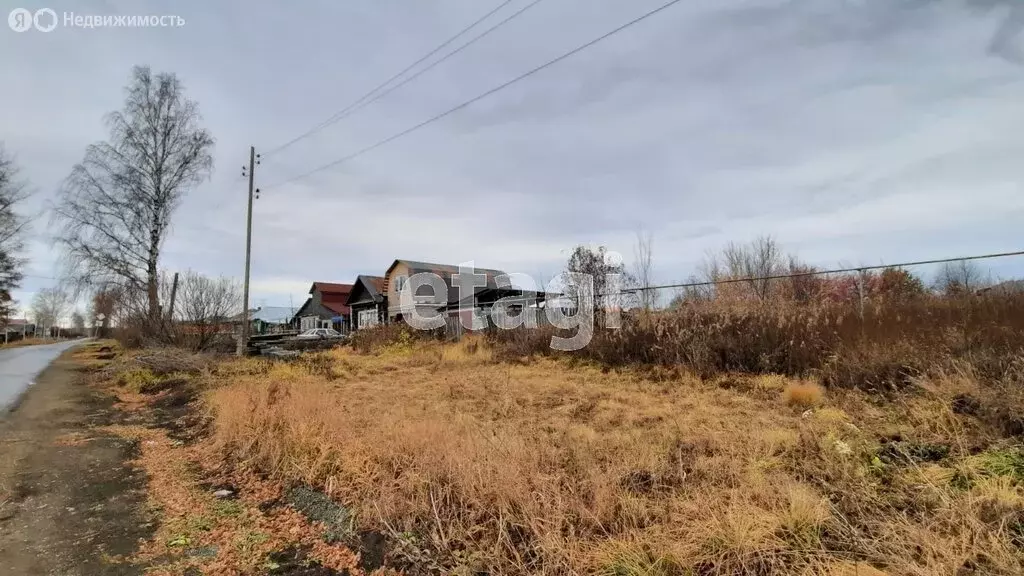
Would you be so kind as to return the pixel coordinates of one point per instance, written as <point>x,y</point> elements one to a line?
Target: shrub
<point>803,394</point>
<point>373,339</point>
<point>891,343</point>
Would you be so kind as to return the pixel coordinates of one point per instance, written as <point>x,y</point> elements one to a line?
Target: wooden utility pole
<point>243,341</point>
<point>174,295</point>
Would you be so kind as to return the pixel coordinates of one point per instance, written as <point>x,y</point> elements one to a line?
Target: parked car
<point>319,334</point>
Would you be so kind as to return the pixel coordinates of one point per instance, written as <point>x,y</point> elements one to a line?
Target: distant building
<point>326,307</point>
<point>271,319</point>
<point>18,328</point>
<point>368,302</point>
<point>473,308</point>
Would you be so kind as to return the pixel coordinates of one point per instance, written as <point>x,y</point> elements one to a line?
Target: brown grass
<point>240,534</point>
<point>894,342</point>
<point>551,467</point>
<point>28,342</point>
<point>803,394</point>
<point>195,531</point>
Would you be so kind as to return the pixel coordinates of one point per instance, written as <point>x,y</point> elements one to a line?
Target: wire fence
<point>809,273</point>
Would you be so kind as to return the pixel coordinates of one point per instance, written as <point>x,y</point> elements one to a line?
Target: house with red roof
<point>326,307</point>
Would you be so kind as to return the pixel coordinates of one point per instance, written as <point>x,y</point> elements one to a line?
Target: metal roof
<point>373,285</point>
<point>336,307</point>
<point>374,282</point>
<point>470,301</point>
<point>273,314</point>
<point>330,288</point>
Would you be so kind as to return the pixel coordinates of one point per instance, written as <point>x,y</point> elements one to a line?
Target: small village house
<point>326,307</point>
<point>368,302</point>
<point>17,329</point>
<point>474,308</point>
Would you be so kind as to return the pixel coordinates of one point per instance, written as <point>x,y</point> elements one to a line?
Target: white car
<point>318,334</point>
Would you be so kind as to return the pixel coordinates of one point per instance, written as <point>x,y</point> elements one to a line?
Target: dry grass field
<point>557,466</point>
<point>28,342</point>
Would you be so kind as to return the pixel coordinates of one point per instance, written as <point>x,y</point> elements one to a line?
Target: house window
<point>367,318</point>
<point>400,284</point>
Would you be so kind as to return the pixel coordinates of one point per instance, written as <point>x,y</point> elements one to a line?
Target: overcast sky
<point>855,131</point>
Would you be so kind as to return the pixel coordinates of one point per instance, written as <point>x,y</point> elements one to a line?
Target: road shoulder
<point>69,502</point>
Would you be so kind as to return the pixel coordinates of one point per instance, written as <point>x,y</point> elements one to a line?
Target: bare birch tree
<point>115,208</point>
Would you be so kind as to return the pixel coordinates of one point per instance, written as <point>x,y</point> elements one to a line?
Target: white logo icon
<point>41,24</point>
<point>22,19</point>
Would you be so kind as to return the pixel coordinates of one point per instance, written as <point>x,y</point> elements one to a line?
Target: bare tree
<point>205,305</point>
<point>78,322</point>
<point>48,306</point>
<point>960,278</point>
<point>103,308</point>
<point>115,208</point>
<point>12,227</point>
<point>643,269</point>
<point>759,260</point>
<point>751,263</point>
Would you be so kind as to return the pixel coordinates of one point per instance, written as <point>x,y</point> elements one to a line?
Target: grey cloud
<point>714,121</point>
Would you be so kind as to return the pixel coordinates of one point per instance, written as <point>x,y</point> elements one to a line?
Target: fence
<point>856,285</point>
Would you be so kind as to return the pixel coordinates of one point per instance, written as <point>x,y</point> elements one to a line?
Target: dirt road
<point>68,503</point>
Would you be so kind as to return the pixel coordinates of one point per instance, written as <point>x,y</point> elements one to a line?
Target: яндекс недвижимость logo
<point>22,19</point>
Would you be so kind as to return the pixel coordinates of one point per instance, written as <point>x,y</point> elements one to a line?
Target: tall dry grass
<point>471,465</point>
<point>893,342</point>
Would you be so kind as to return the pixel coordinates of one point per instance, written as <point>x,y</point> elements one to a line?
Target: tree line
<point>750,273</point>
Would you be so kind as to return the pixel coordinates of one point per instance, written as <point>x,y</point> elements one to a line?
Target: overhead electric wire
<point>355,108</point>
<point>479,97</point>
<point>351,107</point>
<point>823,272</point>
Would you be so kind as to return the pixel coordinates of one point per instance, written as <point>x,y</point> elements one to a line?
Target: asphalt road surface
<point>20,366</point>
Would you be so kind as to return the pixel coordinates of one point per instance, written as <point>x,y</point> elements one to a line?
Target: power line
<point>822,272</point>
<point>357,103</point>
<point>40,276</point>
<point>355,108</point>
<point>479,97</point>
